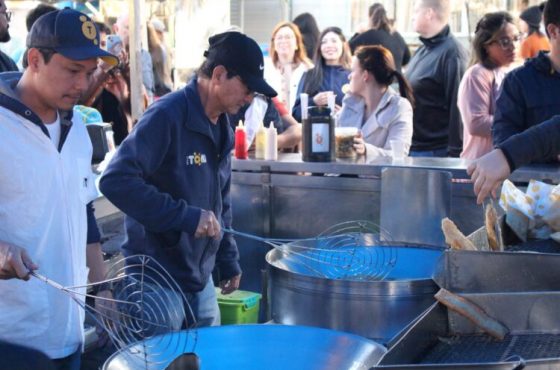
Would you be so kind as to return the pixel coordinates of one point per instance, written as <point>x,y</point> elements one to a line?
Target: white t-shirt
<point>54,131</point>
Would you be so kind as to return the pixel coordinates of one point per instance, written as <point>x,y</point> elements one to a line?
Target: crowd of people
<point>171,175</point>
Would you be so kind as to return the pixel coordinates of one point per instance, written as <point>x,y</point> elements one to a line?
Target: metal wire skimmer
<point>147,303</point>
<point>353,250</point>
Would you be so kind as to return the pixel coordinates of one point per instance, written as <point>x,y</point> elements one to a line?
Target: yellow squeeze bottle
<point>260,142</point>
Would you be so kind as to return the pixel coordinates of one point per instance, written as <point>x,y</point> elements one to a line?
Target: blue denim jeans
<point>428,153</point>
<point>204,306</point>
<point>71,362</point>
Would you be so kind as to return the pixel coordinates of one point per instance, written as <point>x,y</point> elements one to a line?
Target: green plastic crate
<point>239,307</point>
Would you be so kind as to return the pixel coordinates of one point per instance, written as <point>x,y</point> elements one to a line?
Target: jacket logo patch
<point>196,159</point>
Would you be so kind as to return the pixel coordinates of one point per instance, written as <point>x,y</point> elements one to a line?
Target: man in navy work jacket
<point>172,175</point>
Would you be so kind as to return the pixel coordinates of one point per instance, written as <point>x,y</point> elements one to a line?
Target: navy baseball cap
<point>71,34</point>
<point>241,55</point>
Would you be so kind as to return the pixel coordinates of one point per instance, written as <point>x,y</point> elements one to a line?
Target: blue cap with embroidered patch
<point>71,34</point>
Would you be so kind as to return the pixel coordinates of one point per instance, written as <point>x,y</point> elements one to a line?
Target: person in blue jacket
<point>332,66</point>
<point>530,93</point>
<point>172,174</point>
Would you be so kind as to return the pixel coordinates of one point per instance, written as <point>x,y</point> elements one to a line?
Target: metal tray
<point>442,339</point>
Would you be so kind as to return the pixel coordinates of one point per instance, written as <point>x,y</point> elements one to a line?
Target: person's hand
<point>290,137</point>
<point>359,144</point>
<point>116,85</point>
<point>487,174</point>
<point>123,57</point>
<point>208,226</point>
<point>107,312</point>
<point>230,285</point>
<point>15,262</point>
<point>322,98</point>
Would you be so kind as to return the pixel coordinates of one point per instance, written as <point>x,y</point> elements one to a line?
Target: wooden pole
<point>135,47</point>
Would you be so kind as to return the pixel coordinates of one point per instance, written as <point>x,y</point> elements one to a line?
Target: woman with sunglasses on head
<point>493,51</point>
<point>332,67</point>
<point>371,105</point>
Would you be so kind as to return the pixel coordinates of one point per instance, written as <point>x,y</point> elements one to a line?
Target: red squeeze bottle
<point>241,150</point>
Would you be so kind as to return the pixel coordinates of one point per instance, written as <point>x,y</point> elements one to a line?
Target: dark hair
<point>379,61</point>
<point>486,29</point>
<point>378,18</point>
<point>306,23</point>
<point>551,13</point>
<point>314,76</point>
<point>309,30</point>
<point>373,7</point>
<point>46,53</point>
<point>36,13</point>
<point>533,18</point>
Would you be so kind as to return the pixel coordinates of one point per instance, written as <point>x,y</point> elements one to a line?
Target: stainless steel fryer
<point>442,339</point>
<point>521,290</point>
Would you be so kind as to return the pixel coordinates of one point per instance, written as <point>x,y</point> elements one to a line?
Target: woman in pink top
<point>494,46</point>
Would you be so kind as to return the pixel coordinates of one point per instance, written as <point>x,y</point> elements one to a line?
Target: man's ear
<point>34,59</point>
<point>219,73</point>
<point>552,30</point>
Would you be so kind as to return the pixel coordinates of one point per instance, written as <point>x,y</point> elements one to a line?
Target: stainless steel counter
<point>290,198</point>
<point>372,166</point>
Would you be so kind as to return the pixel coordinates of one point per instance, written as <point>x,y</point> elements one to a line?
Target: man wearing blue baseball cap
<point>45,187</point>
<point>172,174</point>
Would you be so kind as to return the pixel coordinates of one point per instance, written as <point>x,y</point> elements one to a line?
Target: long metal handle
<point>72,290</point>
<point>47,280</point>
<point>273,241</point>
<point>245,235</point>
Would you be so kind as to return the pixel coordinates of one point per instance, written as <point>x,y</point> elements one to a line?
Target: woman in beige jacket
<point>373,106</point>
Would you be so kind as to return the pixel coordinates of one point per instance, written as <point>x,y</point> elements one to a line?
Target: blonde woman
<point>289,62</point>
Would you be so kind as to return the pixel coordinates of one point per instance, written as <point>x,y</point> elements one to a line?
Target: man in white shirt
<point>46,187</point>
